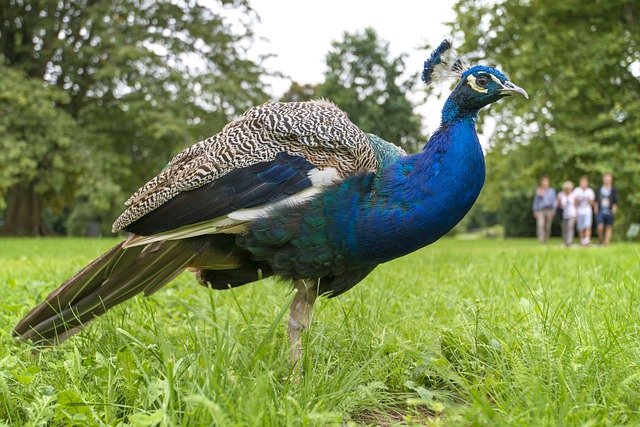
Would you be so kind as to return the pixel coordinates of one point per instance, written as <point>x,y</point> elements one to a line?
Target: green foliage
<point>366,81</point>
<point>500,332</point>
<point>300,92</point>
<point>141,80</point>
<point>576,59</point>
<point>37,138</point>
<point>515,214</point>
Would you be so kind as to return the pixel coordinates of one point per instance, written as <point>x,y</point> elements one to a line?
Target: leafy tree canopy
<point>39,150</point>
<point>365,80</point>
<point>300,92</point>
<point>140,80</point>
<point>579,61</point>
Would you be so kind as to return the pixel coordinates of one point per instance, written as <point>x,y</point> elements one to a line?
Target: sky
<point>299,34</point>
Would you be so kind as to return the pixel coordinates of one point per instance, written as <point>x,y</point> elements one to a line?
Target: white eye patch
<point>471,81</point>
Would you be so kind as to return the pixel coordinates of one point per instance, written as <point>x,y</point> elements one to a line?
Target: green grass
<point>463,332</point>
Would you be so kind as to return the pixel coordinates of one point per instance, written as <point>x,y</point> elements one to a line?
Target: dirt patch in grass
<point>395,416</point>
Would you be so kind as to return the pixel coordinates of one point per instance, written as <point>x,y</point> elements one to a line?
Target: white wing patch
<point>236,222</point>
<point>323,177</point>
<point>320,178</point>
<point>244,215</point>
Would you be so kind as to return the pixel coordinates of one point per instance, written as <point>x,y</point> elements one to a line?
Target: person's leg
<point>608,230</point>
<point>600,227</point>
<point>568,230</point>
<point>548,220</point>
<point>588,226</point>
<point>580,227</point>
<point>540,226</point>
<point>572,230</point>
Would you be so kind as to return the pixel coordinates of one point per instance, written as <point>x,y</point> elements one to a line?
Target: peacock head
<point>477,86</point>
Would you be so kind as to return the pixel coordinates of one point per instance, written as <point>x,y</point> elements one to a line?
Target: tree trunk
<point>23,216</point>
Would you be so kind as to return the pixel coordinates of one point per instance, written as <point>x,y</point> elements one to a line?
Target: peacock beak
<point>509,88</point>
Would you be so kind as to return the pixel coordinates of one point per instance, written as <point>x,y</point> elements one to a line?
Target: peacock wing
<point>317,131</point>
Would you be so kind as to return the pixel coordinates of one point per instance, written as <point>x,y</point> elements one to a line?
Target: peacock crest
<point>443,64</point>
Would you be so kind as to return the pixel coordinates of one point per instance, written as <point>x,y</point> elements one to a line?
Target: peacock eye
<point>482,81</point>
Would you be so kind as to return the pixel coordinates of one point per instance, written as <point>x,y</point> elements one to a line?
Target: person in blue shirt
<point>606,207</point>
<point>544,208</point>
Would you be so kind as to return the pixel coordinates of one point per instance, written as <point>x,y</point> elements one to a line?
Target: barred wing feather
<point>317,130</point>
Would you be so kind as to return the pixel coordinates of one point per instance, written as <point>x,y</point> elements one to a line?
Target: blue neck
<point>420,198</point>
<point>452,112</point>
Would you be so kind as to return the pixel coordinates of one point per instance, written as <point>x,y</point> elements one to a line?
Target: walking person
<point>606,207</point>
<point>544,208</point>
<point>585,196</point>
<point>567,202</point>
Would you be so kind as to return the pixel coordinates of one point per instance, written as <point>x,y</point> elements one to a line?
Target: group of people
<point>578,206</point>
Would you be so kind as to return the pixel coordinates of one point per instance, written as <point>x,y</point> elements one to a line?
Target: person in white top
<point>567,202</point>
<point>585,196</point>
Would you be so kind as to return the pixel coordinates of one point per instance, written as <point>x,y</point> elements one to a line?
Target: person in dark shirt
<point>606,207</point>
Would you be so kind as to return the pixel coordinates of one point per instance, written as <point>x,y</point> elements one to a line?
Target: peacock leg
<point>300,318</point>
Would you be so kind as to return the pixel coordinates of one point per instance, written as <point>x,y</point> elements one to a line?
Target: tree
<point>579,61</point>
<point>364,80</point>
<point>41,157</point>
<point>300,92</point>
<point>141,80</point>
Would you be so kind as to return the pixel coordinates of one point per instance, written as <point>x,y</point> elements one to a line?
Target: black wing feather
<point>254,185</point>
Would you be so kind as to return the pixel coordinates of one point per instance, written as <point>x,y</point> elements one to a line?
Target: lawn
<point>485,332</point>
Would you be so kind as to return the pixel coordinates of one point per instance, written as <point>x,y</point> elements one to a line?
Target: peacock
<point>293,190</point>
